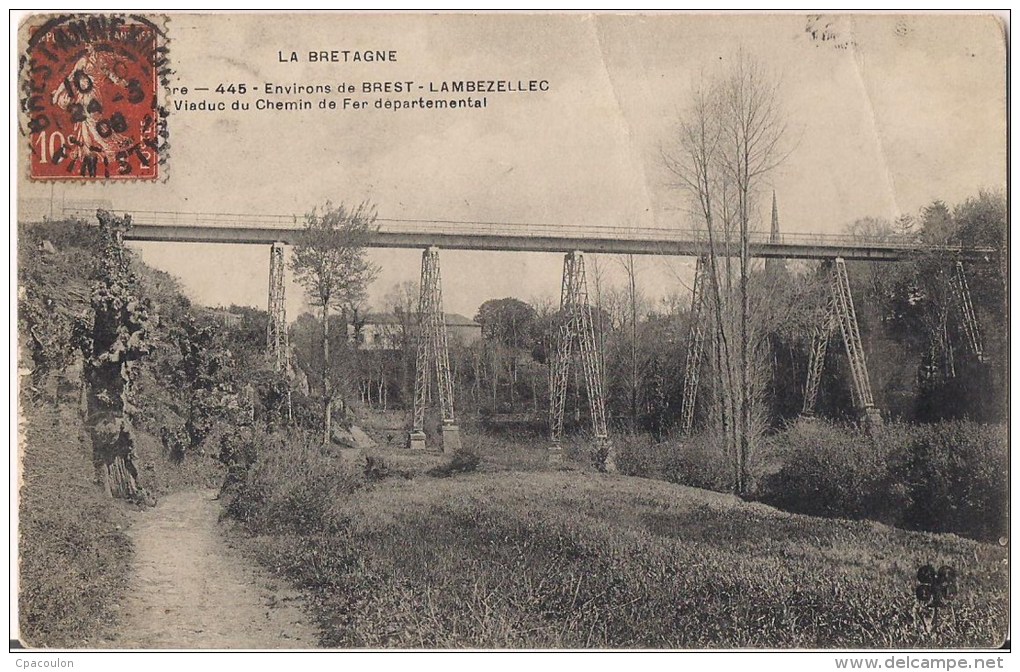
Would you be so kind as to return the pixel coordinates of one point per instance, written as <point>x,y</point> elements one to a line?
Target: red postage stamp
<point>91,98</point>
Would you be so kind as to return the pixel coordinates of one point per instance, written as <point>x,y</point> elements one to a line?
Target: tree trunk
<point>745,406</point>
<point>745,340</point>
<point>633,346</point>
<point>534,394</point>
<point>495,386</point>
<point>513,383</point>
<point>327,387</point>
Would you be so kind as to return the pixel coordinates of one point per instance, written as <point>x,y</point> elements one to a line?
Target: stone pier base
<point>606,449</point>
<point>416,440</point>
<point>872,417</point>
<point>451,438</point>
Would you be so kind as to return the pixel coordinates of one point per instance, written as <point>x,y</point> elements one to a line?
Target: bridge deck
<point>459,235</point>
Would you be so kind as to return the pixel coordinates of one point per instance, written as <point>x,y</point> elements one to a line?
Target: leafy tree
<point>509,330</point>
<point>509,321</point>
<point>204,376</point>
<point>981,222</point>
<point>249,335</point>
<point>937,225</point>
<point>331,263</point>
<point>910,315</point>
<point>307,351</point>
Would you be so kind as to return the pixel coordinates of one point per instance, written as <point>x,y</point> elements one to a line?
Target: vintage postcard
<point>512,331</point>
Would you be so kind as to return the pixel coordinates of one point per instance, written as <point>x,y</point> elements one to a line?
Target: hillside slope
<point>573,559</point>
<point>73,554</point>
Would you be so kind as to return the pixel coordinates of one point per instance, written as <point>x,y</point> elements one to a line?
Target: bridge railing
<point>663,235</point>
<point>220,219</point>
<point>653,234</point>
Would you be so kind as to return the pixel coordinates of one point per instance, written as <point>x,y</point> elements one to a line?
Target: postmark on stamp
<point>91,97</point>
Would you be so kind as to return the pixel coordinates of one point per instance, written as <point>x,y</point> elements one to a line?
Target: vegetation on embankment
<point>570,558</point>
<point>74,558</point>
<point>73,553</point>
<point>950,476</point>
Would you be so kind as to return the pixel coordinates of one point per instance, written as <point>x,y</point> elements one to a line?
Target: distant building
<point>382,331</point>
<point>225,317</point>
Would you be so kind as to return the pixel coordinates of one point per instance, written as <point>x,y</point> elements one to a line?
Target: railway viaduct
<point>577,330</point>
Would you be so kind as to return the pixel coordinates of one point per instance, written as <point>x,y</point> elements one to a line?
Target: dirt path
<point>190,589</point>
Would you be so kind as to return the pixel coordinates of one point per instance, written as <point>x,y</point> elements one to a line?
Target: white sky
<point>911,110</point>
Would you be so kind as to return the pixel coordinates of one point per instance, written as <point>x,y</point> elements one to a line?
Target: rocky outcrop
<point>113,338</point>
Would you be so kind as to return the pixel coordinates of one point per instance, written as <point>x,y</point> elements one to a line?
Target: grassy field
<point>570,558</point>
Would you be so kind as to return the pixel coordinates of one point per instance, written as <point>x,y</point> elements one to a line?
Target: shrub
<point>945,477</point>
<point>238,451</point>
<point>699,461</point>
<point>306,411</point>
<point>175,442</point>
<point>833,471</point>
<point>293,485</point>
<point>958,473</point>
<point>376,468</point>
<point>462,462</point>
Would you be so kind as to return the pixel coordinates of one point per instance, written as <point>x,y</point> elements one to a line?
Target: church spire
<point>771,264</point>
<point>774,234</point>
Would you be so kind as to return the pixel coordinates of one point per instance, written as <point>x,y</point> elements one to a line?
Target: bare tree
<point>330,263</point>
<point>546,311</point>
<point>634,382</point>
<point>727,142</point>
<point>402,301</point>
